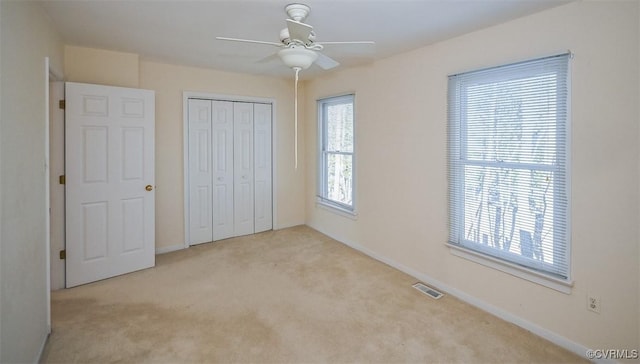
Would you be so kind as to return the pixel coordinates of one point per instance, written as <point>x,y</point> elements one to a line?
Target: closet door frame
<point>186,95</point>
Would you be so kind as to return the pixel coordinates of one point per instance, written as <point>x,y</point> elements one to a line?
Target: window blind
<point>508,163</point>
<point>336,151</point>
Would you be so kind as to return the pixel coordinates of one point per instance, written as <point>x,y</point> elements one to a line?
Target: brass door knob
<point>149,188</point>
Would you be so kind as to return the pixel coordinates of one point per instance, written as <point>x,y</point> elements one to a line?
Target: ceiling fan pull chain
<point>297,69</point>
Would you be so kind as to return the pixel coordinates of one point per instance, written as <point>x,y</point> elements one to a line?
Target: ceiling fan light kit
<point>297,57</point>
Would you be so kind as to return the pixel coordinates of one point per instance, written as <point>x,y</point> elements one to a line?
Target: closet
<point>229,169</point>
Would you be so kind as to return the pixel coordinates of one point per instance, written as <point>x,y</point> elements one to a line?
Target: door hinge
<point>63,254</point>
<point>62,179</point>
<point>61,104</point>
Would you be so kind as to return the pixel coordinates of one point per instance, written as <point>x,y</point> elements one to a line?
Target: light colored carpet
<point>292,295</point>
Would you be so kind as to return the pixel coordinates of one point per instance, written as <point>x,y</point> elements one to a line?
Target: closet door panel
<point>200,177</point>
<point>223,165</point>
<point>243,168</point>
<point>262,168</point>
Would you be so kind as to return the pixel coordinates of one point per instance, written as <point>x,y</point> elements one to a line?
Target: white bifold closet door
<point>229,169</point>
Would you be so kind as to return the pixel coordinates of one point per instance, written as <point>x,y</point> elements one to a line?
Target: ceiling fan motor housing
<point>284,36</point>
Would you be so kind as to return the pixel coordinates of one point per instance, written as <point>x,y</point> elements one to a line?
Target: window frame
<point>537,272</point>
<point>322,187</point>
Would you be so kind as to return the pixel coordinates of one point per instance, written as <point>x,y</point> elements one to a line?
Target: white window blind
<point>336,164</point>
<point>508,154</point>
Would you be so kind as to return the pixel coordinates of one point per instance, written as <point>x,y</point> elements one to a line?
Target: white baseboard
<point>286,226</point>
<point>169,249</point>
<point>555,338</point>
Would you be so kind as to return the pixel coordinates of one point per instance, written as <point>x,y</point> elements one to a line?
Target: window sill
<point>515,270</point>
<point>337,210</point>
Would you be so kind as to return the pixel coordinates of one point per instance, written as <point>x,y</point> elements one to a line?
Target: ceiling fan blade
<point>299,31</point>
<point>325,62</point>
<point>355,42</point>
<point>269,58</point>
<point>249,41</point>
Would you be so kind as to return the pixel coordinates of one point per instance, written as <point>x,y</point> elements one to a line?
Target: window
<point>336,144</point>
<point>508,154</point>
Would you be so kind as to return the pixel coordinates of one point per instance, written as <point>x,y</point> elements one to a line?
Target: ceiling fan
<point>299,50</point>
<point>297,40</point>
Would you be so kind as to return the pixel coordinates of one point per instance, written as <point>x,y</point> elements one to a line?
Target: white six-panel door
<point>109,168</point>
<point>237,159</point>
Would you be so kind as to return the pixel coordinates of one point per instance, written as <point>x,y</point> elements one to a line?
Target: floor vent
<point>427,290</point>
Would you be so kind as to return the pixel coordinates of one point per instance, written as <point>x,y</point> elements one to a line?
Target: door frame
<point>56,196</point>
<point>186,95</point>
<point>51,74</point>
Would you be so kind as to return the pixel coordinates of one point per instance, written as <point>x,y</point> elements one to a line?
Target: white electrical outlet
<point>593,303</point>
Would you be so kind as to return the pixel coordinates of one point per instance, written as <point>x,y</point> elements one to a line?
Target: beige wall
<point>26,39</point>
<point>169,82</point>
<point>401,119</point>
<point>101,67</point>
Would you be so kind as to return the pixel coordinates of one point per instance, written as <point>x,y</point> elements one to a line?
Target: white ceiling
<point>184,31</point>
